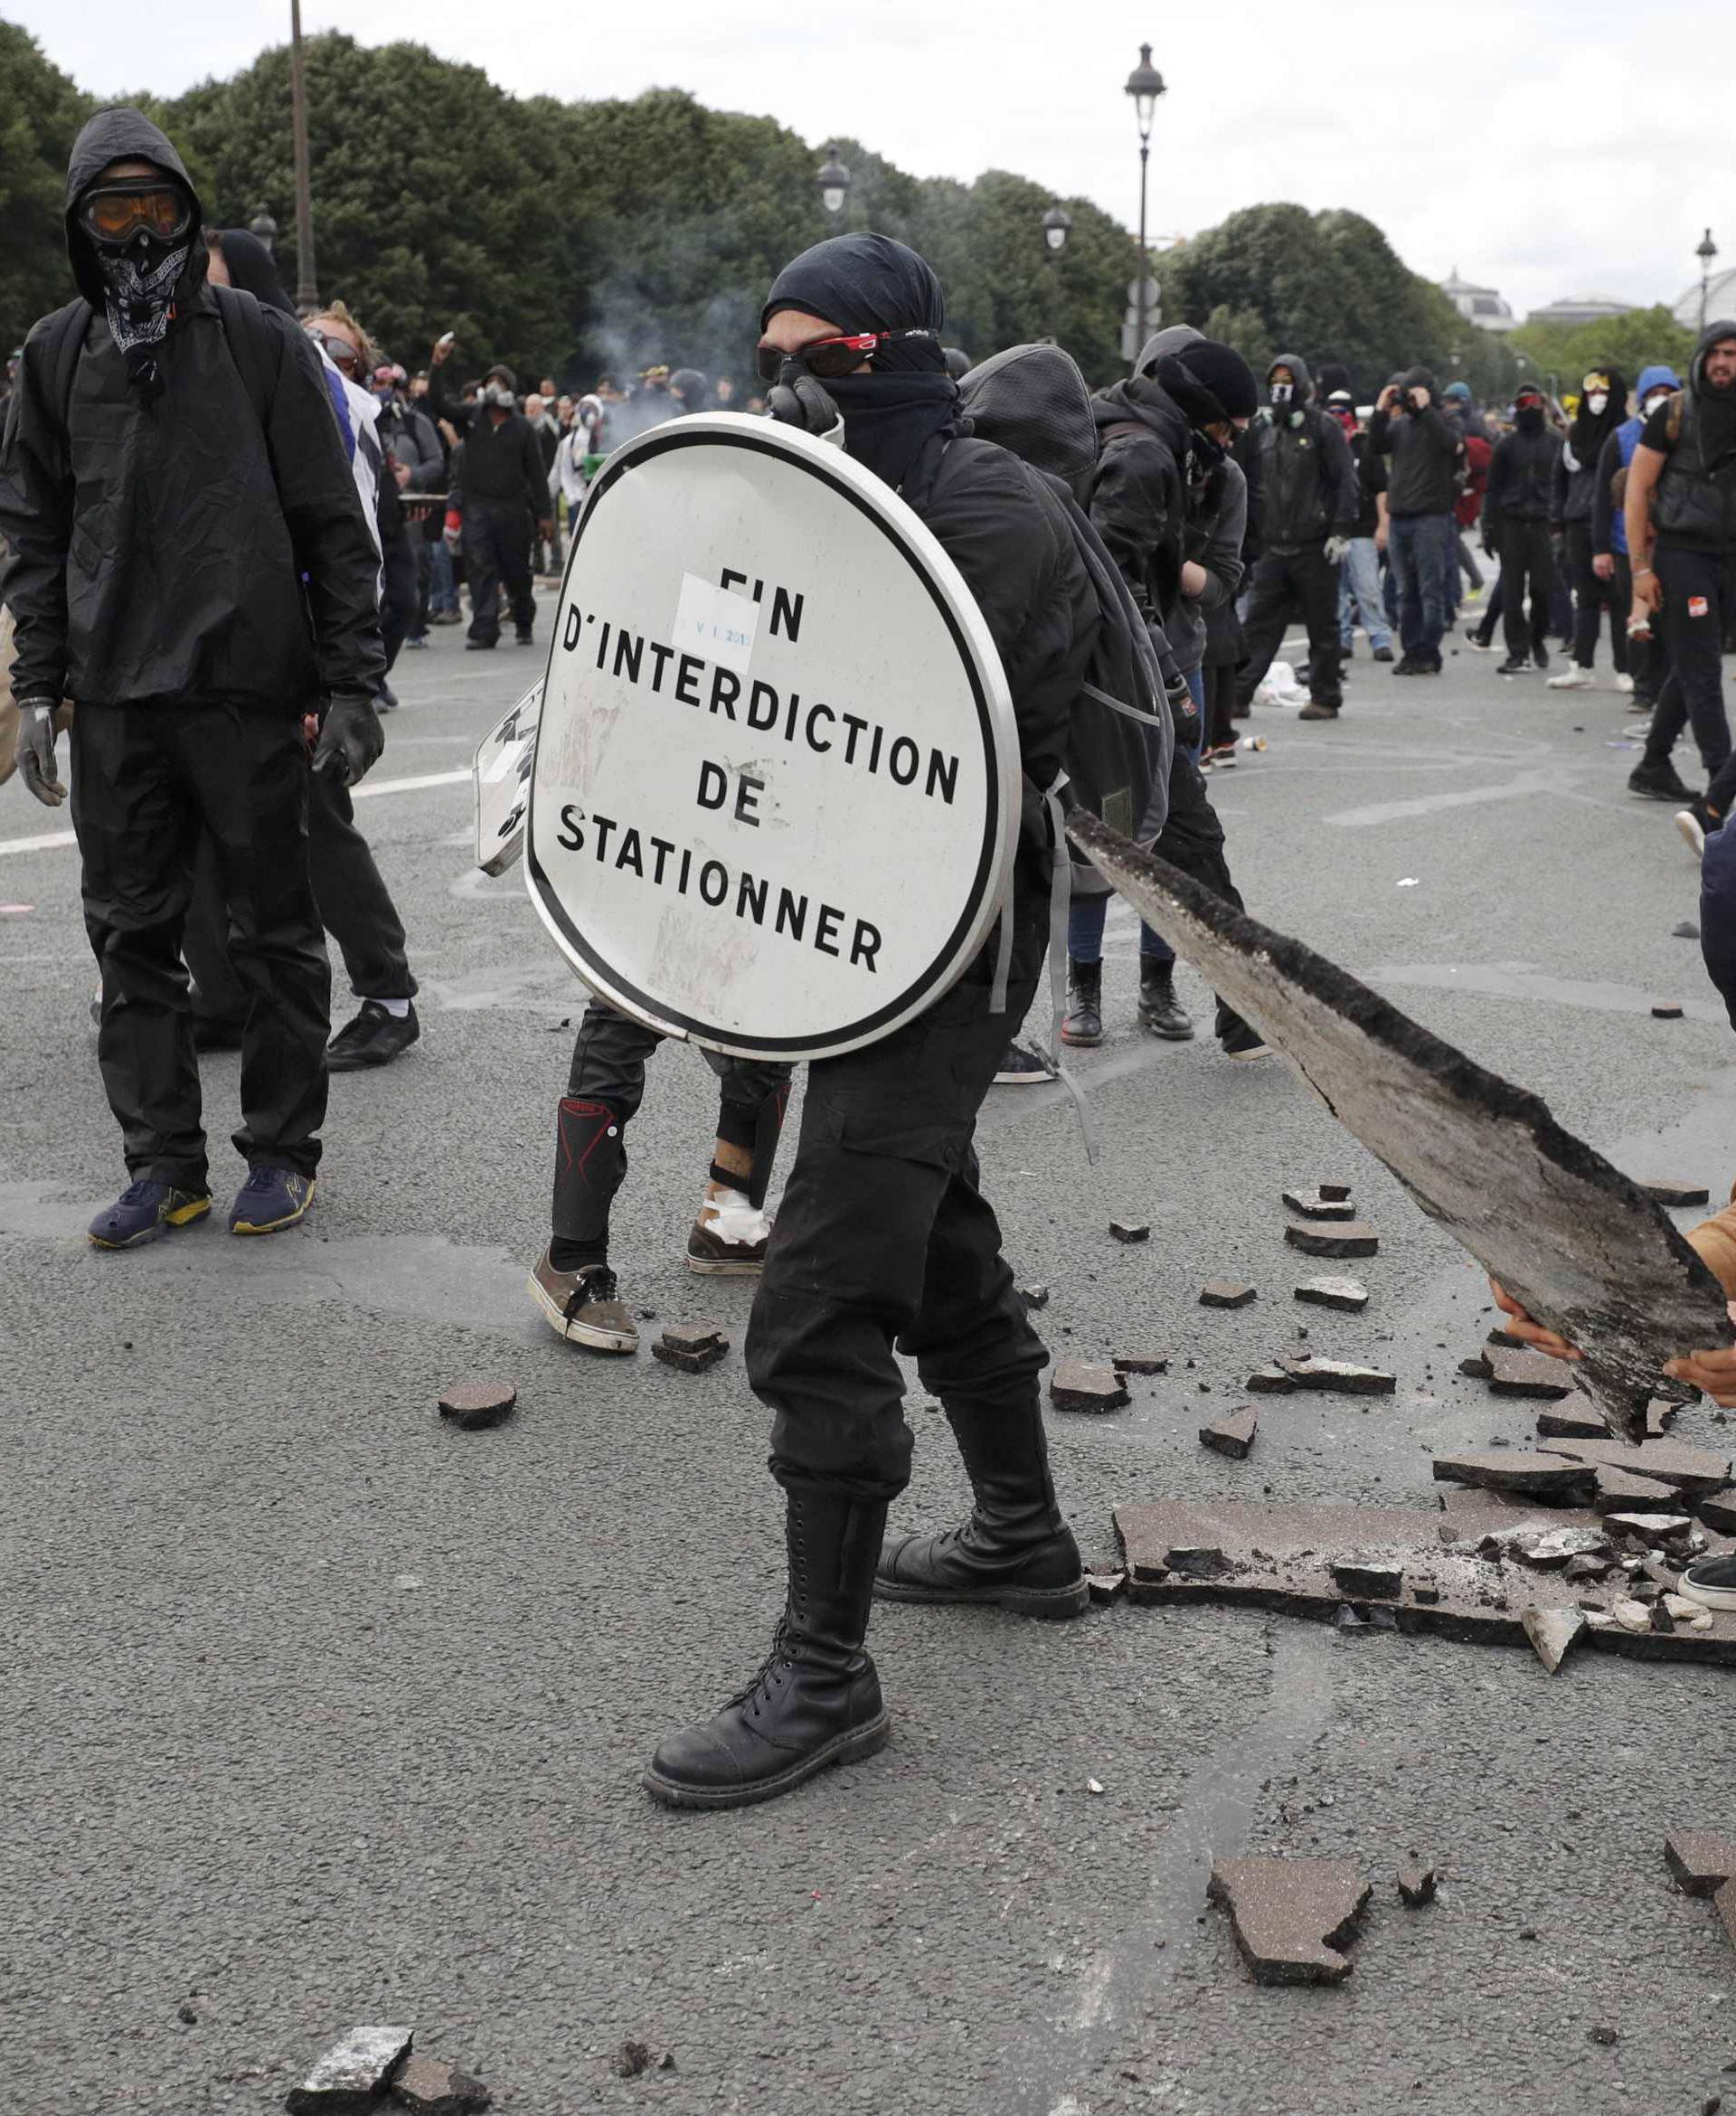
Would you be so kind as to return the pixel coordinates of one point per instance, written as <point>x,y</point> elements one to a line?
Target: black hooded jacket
<point>1138,499</point>
<point>161,545</point>
<point>1304,475</point>
<point>1425,447</point>
<point>1576,473</point>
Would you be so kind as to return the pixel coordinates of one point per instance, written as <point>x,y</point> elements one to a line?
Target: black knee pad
<point>756,1127</point>
<point>589,1168</point>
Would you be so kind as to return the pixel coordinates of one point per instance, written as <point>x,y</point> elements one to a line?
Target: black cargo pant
<point>497,542</point>
<point>1304,583</point>
<point>1696,587</point>
<point>885,1239</point>
<point>146,781</point>
<point>353,904</point>
<point>604,1091</point>
<point>1591,598</point>
<point>1527,578</point>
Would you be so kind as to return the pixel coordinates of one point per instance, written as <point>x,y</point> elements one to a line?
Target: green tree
<point>1641,338</point>
<point>41,112</point>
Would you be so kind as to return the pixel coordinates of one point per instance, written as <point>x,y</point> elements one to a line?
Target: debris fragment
<point>1369,1583</point>
<point>1527,1373</point>
<point>1554,1546</point>
<point>631,2059</point>
<point>1334,1193</point>
<point>1571,1419</point>
<point>1140,1361</point>
<point>1417,1885</point>
<point>690,1346</point>
<point>470,1405</point>
<point>1347,1295</point>
<point>1093,1785</point>
<point>1353,1238</point>
<point>1660,1416</point>
<point>1348,1620</point>
<point>1619,1491</point>
<point>1233,1436</point>
<point>1718,1514</point>
<point>1553,1632</point>
<point>1291,1917</point>
<point>1197,1561</point>
<point>1668,1010</point>
<point>1676,1195</point>
<point>1107,1586</point>
<point>1532,1476</point>
<point>1225,1293</point>
<point>1650,1527</point>
<point>1702,1860</point>
<point>1342,1376</point>
<point>1077,1386</point>
<point>1632,1616</point>
<point>1694,1614</point>
<point>1035,1296</point>
<point>432,2088</point>
<point>1271,1381</point>
<point>350,2075</point>
<point>1693,1470</point>
<point>1315,1204</point>
<point>1130,1230</point>
<point>1607,2037</point>
<point>1685,930</point>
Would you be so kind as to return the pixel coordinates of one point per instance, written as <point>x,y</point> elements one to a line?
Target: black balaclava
<point>1528,414</point>
<point>1590,429</point>
<point>250,268</point>
<point>871,283</point>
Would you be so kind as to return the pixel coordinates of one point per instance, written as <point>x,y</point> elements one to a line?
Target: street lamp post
<point>1057,225</point>
<point>265,229</point>
<point>1145,85</point>
<point>307,279</point>
<point>1706,251</point>
<point>834,179</point>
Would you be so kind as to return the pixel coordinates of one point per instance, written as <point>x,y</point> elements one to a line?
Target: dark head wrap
<point>871,283</point>
<point>1590,429</point>
<point>251,267</point>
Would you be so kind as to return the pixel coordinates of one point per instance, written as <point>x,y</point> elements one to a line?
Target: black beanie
<point>1332,377</point>
<point>1225,372</point>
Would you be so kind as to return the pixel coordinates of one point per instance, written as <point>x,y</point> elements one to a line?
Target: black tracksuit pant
<point>604,1091</point>
<point>497,542</point>
<point>398,592</point>
<point>1696,587</point>
<point>1527,577</point>
<point>146,781</point>
<point>884,1238</point>
<point>1591,598</point>
<point>1302,582</point>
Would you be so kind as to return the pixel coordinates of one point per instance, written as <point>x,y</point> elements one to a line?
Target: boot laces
<point>596,1282</point>
<point>752,1695</point>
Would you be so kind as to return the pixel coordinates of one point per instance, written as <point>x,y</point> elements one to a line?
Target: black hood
<point>1723,327</point>
<point>252,268</point>
<point>1417,378</point>
<point>115,136</point>
<point>1032,400</point>
<point>1147,401</point>
<point>1299,368</point>
<point>1589,432</point>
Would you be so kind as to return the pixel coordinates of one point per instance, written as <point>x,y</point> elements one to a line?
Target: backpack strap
<point>60,345</point>
<point>249,347</point>
<point>1672,425</point>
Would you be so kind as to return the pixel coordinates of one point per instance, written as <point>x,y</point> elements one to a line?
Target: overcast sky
<point>1546,147</point>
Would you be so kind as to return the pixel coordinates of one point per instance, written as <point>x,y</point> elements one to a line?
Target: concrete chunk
<point>1693,1470</point>
<point>1571,1419</point>
<point>1532,1476</point>
<point>1702,1860</point>
<point>1271,1381</point>
<point>1233,1436</point>
<point>1719,1514</point>
<point>1077,1386</point>
<point>1291,1917</point>
<point>1107,1586</point>
<point>1553,1632</point>
<point>1349,1296</point>
<point>1618,1492</point>
<point>1140,1361</point>
<point>1417,1885</point>
<point>694,1338</point>
<point>1035,1296</point>
<point>1363,1582</point>
<point>1225,1293</point>
<point>347,2079</point>
<point>1353,1238</point>
<point>686,1359</point>
<point>1130,1230</point>
<point>431,2088</point>
<point>1667,1010</point>
<point>1341,1376</point>
<point>1529,1373</point>
<point>1315,1204</point>
<point>471,1405</point>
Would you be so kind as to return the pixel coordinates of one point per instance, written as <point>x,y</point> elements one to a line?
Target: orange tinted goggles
<point>118,213</point>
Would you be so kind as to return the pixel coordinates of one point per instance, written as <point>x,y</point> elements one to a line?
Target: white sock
<point>399,1009</point>
<point>733,1216</point>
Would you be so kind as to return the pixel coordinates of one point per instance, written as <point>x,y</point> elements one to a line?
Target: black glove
<point>798,399</point>
<point>351,739</point>
<point>35,750</point>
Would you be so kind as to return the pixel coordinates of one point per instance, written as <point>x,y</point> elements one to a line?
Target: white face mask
<point>1652,403</point>
<point>1596,403</point>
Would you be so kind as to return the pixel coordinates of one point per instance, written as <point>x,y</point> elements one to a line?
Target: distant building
<point>1478,305</point>
<point>1581,309</point>
<point>1720,301</point>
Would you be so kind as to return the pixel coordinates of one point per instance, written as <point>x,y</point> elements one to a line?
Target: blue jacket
<point>1609,521</point>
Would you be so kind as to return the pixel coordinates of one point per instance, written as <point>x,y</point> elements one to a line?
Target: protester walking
<point>1517,505</point>
<point>1426,452</point>
<point>502,498</point>
<point>1603,406</point>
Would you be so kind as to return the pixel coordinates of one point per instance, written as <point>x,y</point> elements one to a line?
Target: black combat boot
<point>815,1700</point>
<point>1083,1021</point>
<point>1160,1012</point>
<point>1015,1552</point>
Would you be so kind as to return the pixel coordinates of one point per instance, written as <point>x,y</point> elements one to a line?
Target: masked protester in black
<point>885,1237</point>
<point>192,567</point>
<point>1603,406</point>
<point>1516,506</point>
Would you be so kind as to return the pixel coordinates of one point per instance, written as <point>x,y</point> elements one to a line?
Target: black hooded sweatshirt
<point>161,545</point>
<point>1304,475</point>
<point>1576,474</point>
<point>1138,502</point>
<point>1425,447</point>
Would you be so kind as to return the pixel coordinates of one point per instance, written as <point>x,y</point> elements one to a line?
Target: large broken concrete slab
<point>1517,1470</point>
<point>1579,1244</point>
<point>1282,1558</point>
<point>1525,1373</point>
<point>1695,1470</point>
<point>1292,1918</point>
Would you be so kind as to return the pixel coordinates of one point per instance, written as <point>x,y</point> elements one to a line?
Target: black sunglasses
<point>829,358</point>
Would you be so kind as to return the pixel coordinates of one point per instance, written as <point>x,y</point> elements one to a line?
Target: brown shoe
<point>583,1307</point>
<point>1314,712</point>
<point>712,1257</point>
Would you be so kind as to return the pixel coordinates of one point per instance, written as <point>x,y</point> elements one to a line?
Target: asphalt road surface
<point>318,1711</point>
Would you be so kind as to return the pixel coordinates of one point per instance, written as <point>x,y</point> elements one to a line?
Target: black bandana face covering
<point>139,285</point>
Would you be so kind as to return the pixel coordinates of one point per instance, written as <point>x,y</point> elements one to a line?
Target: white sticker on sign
<point>716,623</point>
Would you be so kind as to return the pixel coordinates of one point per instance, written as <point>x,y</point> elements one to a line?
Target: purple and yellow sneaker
<point>270,1200</point>
<point>144,1211</point>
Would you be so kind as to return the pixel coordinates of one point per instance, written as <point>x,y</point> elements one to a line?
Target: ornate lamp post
<point>1057,225</point>
<point>307,279</point>
<point>1705,253</point>
<point>266,229</point>
<point>1145,85</point>
<point>834,179</point>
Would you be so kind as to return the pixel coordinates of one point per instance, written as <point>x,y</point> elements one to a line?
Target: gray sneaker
<point>584,1307</point>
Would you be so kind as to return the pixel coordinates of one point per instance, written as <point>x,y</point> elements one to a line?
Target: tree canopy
<point>39,112</point>
<point>1568,352</point>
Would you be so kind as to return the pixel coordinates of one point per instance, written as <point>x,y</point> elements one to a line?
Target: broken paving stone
<point>1571,1419</point>
<point>1353,1238</point>
<point>694,1339</point>
<point>1077,1386</point>
<point>1271,1381</point>
<point>1368,1582</point>
<point>1702,1860</point>
<point>1334,1193</point>
<point>1035,1296</point>
<point>1315,1204</point>
<point>1291,1917</point>
<point>1140,1361</point>
<point>1660,1416</point>
<point>1346,1295</point>
<point>1107,1586</point>
<point>1130,1230</point>
<point>1676,1195</point>
<point>1690,1469</point>
<point>1719,1514</point>
<point>1417,1885</point>
<point>432,2088</point>
<point>689,1362</point>
<point>1667,1010</point>
<point>632,2058</point>
<point>471,1405</point>
<point>1620,1493</point>
<point>1651,1527</point>
<point>1528,1373</point>
<point>1232,1436</point>
<point>1225,1293</point>
<point>1342,1376</point>
<point>1632,1616</point>
<point>1694,1614</point>
<point>1556,1546</point>
<point>1584,1568</point>
<point>1197,1561</point>
<point>1553,1632</point>
<point>350,2077</point>
<point>1531,1476</point>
